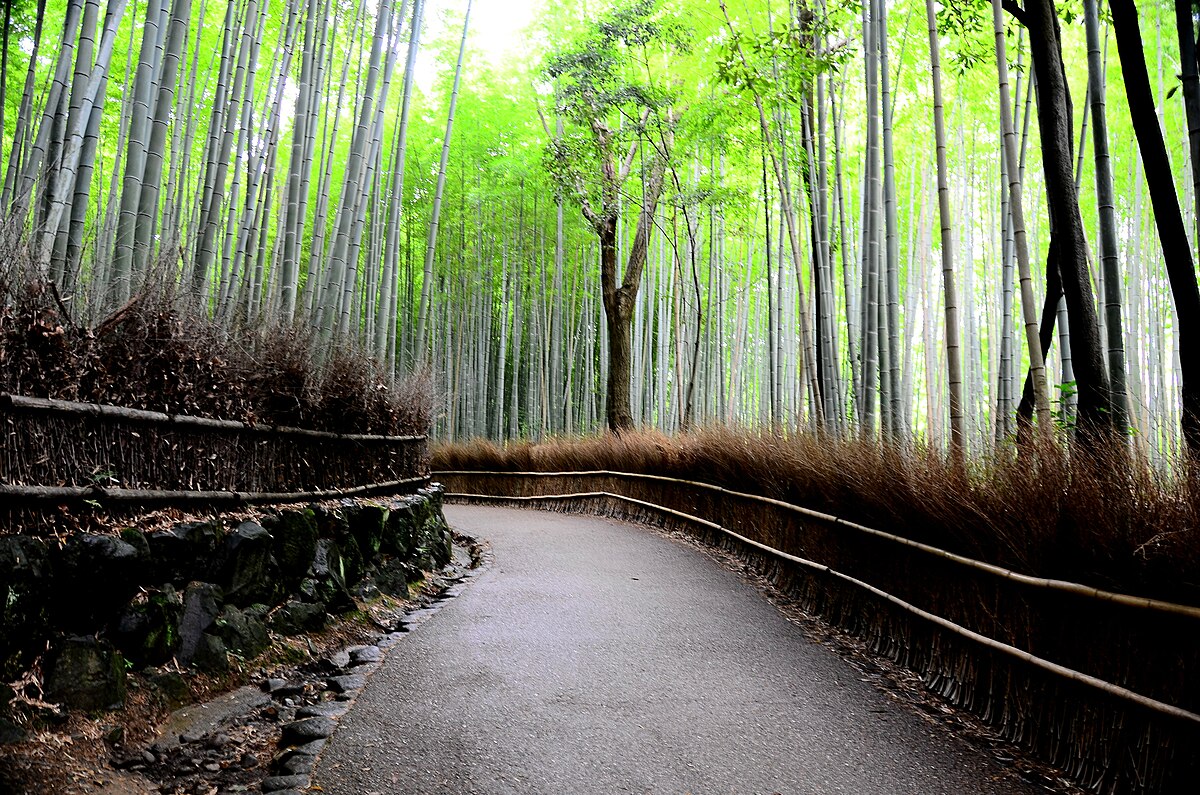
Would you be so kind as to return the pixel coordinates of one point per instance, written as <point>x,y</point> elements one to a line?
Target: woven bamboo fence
<point>1099,684</point>
<point>56,452</point>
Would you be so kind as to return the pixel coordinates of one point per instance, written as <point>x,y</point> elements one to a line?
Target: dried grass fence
<point>58,452</point>
<point>1101,685</point>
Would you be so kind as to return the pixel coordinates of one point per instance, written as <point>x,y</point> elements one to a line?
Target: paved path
<point>596,657</point>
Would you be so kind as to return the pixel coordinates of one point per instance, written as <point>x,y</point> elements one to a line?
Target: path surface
<point>597,657</point>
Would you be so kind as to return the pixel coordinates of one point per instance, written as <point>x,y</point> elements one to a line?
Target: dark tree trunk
<point>619,301</point>
<point>1172,233</point>
<point>1055,126</point>
<point>1191,91</point>
<point>1054,292</point>
<point>617,318</point>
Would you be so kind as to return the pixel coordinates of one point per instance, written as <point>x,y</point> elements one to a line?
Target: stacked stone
<point>198,591</point>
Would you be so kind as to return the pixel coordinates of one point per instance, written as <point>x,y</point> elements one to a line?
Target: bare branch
<point>627,166</point>
<point>1015,11</point>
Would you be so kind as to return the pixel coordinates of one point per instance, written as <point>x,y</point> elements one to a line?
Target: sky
<point>495,30</point>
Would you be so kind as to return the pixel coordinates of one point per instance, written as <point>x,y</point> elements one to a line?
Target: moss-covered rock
<point>353,561</point>
<point>331,522</point>
<point>431,534</point>
<point>186,552</point>
<point>201,605</point>
<point>368,523</point>
<point>85,673</point>
<point>250,573</point>
<point>172,688</point>
<point>137,539</point>
<point>243,631</point>
<point>401,527</point>
<point>296,617</point>
<point>147,632</point>
<point>211,655</point>
<point>326,580</point>
<point>392,576</point>
<point>294,540</point>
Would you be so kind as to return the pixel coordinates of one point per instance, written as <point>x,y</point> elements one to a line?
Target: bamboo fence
<point>60,452</point>
<point>1096,683</point>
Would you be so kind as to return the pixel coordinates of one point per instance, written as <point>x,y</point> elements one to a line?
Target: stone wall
<point>94,606</point>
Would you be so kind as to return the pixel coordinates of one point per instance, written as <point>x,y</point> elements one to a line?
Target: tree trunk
<point>1177,253</point>
<point>144,89</point>
<point>1054,123</point>
<point>1190,82</point>
<point>24,117</point>
<point>5,35</point>
<point>164,108</point>
<point>73,149</point>
<point>891,288</point>
<point>619,302</point>
<point>1054,292</point>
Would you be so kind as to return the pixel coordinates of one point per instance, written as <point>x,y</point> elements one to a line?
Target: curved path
<point>597,657</point>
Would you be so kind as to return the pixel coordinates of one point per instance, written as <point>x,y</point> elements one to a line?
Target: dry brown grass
<point>1082,517</point>
<point>160,352</point>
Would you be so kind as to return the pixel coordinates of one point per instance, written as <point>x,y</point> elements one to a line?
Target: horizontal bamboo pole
<point>13,403</point>
<point>1066,586</point>
<point>57,495</point>
<point>1054,668</point>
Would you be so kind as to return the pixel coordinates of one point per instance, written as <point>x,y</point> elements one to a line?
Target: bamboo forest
<point>942,224</point>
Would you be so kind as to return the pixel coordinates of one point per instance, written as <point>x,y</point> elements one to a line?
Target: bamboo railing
<point>1098,683</point>
<point>58,452</point>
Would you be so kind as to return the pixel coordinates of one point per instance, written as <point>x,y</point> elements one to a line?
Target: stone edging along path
<point>217,590</point>
<point>291,711</point>
<point>303,738</point>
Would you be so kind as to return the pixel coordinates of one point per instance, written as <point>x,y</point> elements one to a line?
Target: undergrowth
<point>162,352</point>
<point>1098,519</point>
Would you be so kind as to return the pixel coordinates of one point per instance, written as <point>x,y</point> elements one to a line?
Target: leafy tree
<point>617,117</point>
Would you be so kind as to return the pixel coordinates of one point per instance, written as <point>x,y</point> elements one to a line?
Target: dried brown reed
<point>1103,520</point>
<point>161,352</point>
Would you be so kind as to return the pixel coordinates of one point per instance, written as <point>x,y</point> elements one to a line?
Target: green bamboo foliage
<point>213,182</point>
<point>293,161</point>
<point>386,332</point>
<point>164,105</point>
<point>84,58</point>
<point>299,166</point>
<point>431,244</point>
<point>341,271</point>
<point>893,408</point>
<point>14,154</point>
<point>1107,222</point>
<point>34,163</point>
